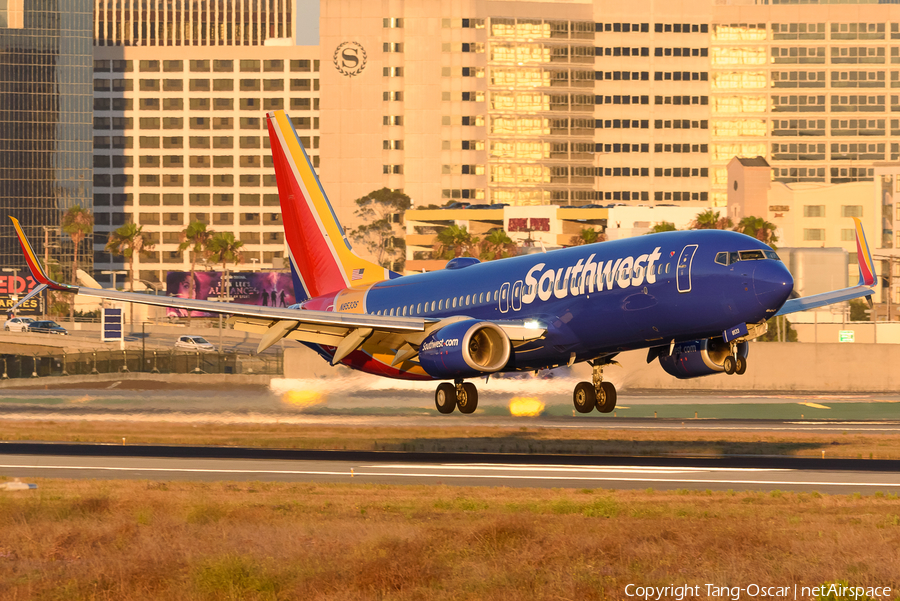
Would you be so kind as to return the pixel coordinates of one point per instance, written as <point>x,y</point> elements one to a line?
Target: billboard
<point>13,288</point>
<point>267,289</point>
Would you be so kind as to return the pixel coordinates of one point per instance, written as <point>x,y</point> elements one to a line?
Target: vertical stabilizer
<point>322,260</point>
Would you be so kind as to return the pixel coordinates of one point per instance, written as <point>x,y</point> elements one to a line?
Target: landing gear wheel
<point>445,397</point>
<point>741,366</point>
<point>467,398</point>
<point>729,364</point>
<point>606,400</point>
<point>585,397</point>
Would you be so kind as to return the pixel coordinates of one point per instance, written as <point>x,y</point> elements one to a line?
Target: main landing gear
<point>461,394</point>
<point>734,363</point>
<point>597,394</point>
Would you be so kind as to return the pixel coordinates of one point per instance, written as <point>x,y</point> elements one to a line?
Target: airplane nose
<point>772,284</point>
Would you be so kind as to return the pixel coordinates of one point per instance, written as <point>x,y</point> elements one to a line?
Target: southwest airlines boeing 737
<point>693,298</point>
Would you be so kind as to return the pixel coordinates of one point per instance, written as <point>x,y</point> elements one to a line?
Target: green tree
<point>497,245</point>
<point>759,228</point>
<point>78,223</point>
<point>195,237</point>
<point>380,212</point>
<point>780,330</point>
<point>224,249</point>
<point>711,220</point>
<point>455,241</point>
<point>127,241</point>
<point>859,310</point>
<point>587,235</point>
<point>663,226</point>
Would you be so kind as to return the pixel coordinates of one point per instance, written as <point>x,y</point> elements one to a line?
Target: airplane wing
<point>345,331</point>
<point>863,288</point>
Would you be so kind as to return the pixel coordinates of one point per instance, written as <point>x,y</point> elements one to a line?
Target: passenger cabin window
<point>419,308</point>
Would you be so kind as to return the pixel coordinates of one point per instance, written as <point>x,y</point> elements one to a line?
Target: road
<point>834,477</point>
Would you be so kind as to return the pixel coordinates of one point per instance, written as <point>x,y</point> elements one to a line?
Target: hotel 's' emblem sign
<point>350,58</point>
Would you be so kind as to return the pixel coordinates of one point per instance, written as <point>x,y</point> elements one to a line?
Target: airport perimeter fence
<point>131,361</point>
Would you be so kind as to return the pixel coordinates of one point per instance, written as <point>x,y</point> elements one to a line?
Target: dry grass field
<point>137,540</point>
<point>686,441</point>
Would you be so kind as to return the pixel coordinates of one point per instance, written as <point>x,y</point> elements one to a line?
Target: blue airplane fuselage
<point>600,299</point>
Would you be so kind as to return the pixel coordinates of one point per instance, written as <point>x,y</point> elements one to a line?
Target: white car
<point>194,343</point>
<point>17,324</point>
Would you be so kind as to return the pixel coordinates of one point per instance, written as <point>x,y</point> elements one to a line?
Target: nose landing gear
<point>596,394</point>
<point>461,394</point>
<point>734,363</point>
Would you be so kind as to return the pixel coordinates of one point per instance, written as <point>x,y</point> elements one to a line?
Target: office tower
<point>45,126</point>
<point>180,95</point>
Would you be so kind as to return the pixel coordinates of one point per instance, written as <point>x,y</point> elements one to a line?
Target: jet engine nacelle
<point>465,349</point>
<point>699,358</point>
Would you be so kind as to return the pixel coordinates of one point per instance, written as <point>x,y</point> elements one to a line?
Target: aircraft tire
<point>468,401</point>
<point>609,398</point>
<point>729,364</point>
<point>585,397</point>
<point>740,366</point>
<point>445,398</point>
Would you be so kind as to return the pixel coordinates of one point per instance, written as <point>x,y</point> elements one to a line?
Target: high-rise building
<point>600,101</point>
<point>180,95</point>
<point>45,125</point>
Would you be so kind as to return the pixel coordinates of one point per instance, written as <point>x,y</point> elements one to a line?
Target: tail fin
<point>322,260</point>
<point>867,275</point>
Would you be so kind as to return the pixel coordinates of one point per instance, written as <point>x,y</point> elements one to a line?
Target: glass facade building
<point>46,57</point>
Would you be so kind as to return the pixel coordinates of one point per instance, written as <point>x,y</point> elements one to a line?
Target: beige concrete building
<point>179,124</point>
<point>504,102</point>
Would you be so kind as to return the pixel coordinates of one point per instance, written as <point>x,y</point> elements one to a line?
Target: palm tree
<point>497,245</point>
<point>128,241</point>
<point>710,220</point>
<point>587,235</point>
<point>79,224</point>
<point>224,249</point>
<point>758,228</point>
<point>456,240</point>
<point>196,238</point>
<point>663,226</point>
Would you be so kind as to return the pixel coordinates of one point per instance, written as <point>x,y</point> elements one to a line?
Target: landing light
<point>302,399</point>
<point>525,407</point>
<point>532,324</point>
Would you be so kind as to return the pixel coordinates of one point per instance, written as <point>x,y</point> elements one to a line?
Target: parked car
<point>457,205</point>
<point>480,206</point>
<point>47,327</point>
<point>17,324</point>
<point>194,343</point>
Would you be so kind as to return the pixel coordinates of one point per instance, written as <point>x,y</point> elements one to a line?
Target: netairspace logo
<point>795,592</point>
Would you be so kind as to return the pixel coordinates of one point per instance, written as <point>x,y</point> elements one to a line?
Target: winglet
<point>867,275</point>
<point>37,271</point>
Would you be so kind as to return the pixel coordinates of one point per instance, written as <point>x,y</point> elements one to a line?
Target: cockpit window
<point>752,255</point>
<point>729,258</point>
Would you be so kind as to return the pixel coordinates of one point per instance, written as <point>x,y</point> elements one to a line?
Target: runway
<point>834,476</point>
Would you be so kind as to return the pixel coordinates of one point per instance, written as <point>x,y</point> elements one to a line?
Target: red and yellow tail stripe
<point>319,251</point>
<point>37,270</point>
<point>867,275</point>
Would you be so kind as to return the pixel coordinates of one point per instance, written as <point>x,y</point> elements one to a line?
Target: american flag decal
<point>357,274</point>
